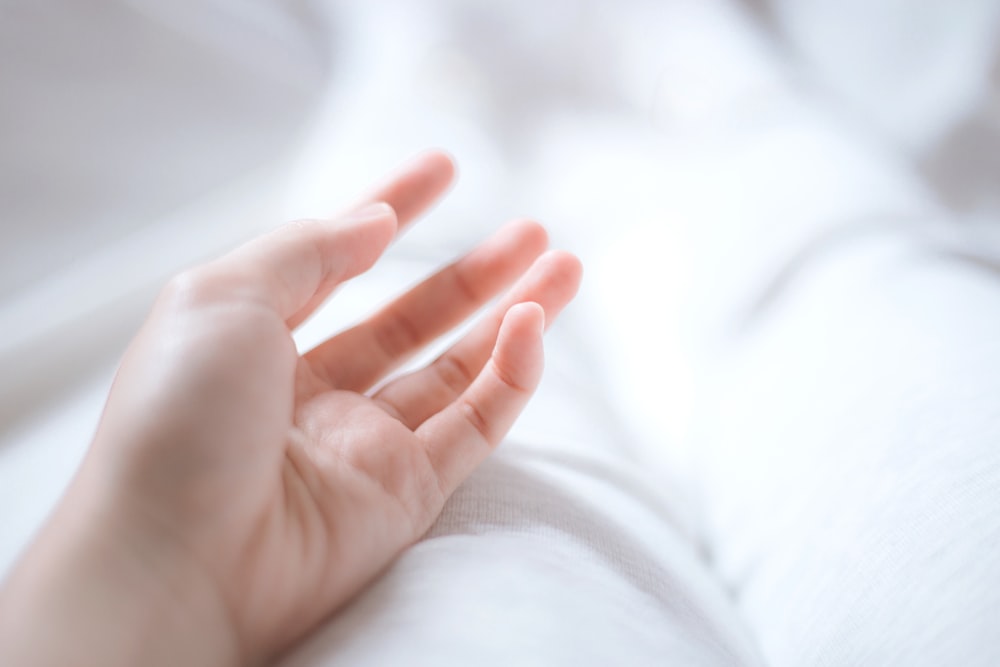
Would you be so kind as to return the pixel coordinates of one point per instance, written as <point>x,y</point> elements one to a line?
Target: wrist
<point>98,587</point>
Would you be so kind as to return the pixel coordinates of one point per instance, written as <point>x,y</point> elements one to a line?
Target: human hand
<point>236,492</point>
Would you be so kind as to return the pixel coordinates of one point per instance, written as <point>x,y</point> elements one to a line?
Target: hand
<point>236,492</point>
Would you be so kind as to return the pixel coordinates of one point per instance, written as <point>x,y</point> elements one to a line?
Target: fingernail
<point>537,312</point>
<point>368,213</point>
<point>541,318</point>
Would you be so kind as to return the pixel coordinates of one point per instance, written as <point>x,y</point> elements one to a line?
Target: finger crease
<point>475,417</point>
<point>454,373</point>
<point>398,337</point>
<point>506,378</point>
<point>464,285</point>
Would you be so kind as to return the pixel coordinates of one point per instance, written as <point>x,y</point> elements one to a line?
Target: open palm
<point>281,478</point>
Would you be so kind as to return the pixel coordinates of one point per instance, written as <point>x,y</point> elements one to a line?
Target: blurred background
<point>685,148</point>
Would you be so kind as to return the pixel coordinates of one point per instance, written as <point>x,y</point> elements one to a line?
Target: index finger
<point>410,189</point>
<point>296,267</point>
<point>413,186</point>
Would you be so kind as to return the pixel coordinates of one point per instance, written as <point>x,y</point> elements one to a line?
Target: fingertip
<point>386,219</point>
<point>571,269</point>
<point>371,214</point>
<point>519,355</point>
<point>560,272</point>
<point>439,164</point>
<point>376,221</point>
<point>569,265</point>
<point>529,316</point>
<point>522,238</point>
<point>443,159</point>
<point>416,184</point>
<point>529,233</point>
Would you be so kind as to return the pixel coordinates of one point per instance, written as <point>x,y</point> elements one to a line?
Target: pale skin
<point>238,493</point>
